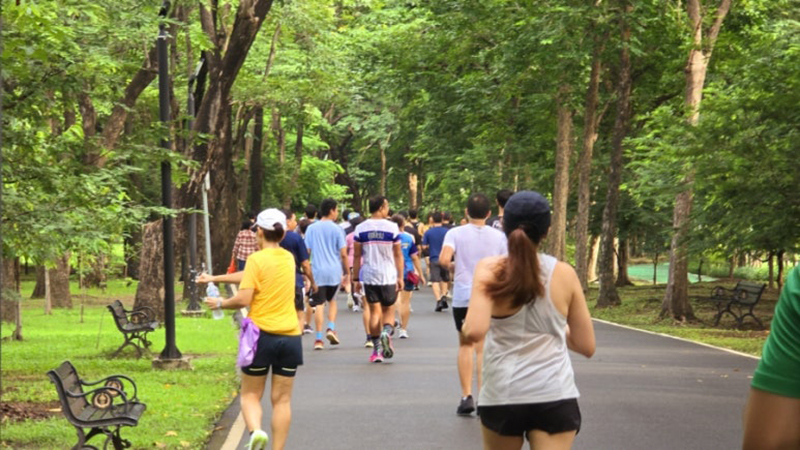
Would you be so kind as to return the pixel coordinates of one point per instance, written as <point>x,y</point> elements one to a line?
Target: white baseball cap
<point>269,218</point>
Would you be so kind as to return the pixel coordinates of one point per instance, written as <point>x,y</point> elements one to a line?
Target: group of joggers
<point>516,311</point>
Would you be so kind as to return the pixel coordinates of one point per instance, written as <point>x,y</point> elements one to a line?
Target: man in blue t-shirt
<point>293,243</point>
<point>328,250</point>
<point>433,241</point>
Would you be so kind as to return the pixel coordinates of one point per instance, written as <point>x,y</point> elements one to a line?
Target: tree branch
<point>722,11</point>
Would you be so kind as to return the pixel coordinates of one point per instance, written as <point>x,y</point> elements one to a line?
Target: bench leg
<point>117,441</point>
<point>128,341</point>
<point>84,437</point>
<point>758,321</point>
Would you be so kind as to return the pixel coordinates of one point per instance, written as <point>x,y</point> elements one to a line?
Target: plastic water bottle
<point>213,291</point>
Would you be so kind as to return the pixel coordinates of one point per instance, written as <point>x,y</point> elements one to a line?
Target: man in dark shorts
<point>295,245</point>
<point>466,245</point>
<point>378,241</point>
<point>439,276</point>
<point>328,250</point>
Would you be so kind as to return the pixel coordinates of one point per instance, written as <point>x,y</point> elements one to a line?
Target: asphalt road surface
<point>639,391</point>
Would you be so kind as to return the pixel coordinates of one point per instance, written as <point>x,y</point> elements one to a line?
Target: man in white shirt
<point>469,244</point>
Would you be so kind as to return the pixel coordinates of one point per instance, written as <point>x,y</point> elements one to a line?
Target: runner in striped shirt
<point>378,241</point>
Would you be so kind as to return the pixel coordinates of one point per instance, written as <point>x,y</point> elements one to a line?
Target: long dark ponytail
<point>518,278</point>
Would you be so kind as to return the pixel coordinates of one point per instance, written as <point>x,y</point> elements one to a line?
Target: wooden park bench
<point>134,325</point>
<point>738,302</point>
<point>102,410</point>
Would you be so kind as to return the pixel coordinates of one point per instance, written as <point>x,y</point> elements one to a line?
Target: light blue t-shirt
<point>324,240</point>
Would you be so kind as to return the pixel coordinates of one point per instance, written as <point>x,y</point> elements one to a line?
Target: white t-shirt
<point>377,238</point>
<point>470,244</point>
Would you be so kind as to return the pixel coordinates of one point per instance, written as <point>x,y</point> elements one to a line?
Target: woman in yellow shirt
<point>267,288</point>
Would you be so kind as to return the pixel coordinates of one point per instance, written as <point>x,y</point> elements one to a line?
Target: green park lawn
<point>183,406</point>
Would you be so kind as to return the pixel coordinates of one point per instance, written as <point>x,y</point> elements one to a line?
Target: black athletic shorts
<point>459,314</point>
<point>385,294</point>
<point>298,298</point>
<point>517,420</point>
<point>282,353</point>
<point>439,273</point>
<point>408,286</point>
<point>324,294</point>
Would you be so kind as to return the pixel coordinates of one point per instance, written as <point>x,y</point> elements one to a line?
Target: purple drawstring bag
<point>248,342</point>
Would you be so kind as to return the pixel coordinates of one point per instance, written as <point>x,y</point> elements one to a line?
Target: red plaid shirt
<point>245,244</point>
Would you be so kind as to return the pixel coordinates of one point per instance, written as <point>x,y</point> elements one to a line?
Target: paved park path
<point>639,391</point>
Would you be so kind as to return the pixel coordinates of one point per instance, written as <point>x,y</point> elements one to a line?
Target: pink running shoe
<point>376,357</point>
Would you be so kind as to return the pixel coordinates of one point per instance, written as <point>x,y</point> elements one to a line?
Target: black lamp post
<point>170,351</point>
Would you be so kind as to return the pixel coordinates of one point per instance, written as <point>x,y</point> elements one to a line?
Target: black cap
<point>528,210</point>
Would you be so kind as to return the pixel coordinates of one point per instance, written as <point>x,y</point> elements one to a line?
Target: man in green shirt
<point>772,414</point>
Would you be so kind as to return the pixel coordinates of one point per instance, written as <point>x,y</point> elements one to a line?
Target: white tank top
<point>525,357</point>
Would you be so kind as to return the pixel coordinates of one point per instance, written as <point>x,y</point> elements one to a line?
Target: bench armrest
<point>719,291</point>
<point>148,311</point>
<point>110,391</point>
<point>113,378</point>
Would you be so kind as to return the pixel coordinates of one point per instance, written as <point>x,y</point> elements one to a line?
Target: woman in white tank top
<point>530,309</point>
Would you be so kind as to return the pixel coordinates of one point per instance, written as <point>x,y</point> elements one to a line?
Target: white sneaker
<point>258,440</point>
<point>356,308</point>
<point>403,334</point>
<point>350,301</point>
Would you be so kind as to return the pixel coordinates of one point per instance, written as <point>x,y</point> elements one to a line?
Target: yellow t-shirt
<point>270,273</point>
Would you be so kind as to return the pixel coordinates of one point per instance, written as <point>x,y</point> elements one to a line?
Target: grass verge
<point>182,406</point>
<point>641,306</point>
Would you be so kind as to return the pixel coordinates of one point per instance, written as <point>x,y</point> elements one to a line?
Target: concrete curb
<point>224,426</point>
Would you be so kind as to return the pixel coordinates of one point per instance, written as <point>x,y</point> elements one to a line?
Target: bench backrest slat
<point>66,380</point>
<point>747,292</point>
<point>120,318</point>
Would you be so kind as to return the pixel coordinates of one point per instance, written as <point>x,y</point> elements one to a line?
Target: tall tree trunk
<point>48,294</point>
<point>298,162</point>
<point>279,135</point>
<point>256,163</point>
<point>780,269</point>
<point>59,283</point>
<point>585,169</point>
<point>39,290</point>
<point>10,280</point>
<point>608,292</point>
<point>676,299</point>
<point>623,255</point>
<point>132,246</point>
<point>150,290</point>
<point>594,253</point>
<point>557,237</point>
<point>383,169</point>
<point>771,265</point>
<point>412,190</point>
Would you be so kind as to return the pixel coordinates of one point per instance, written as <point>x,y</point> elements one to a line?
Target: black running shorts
<point>517,420</point>
<point>385,294</point>
<point>282,353</point>
<point>298,298</point>
<point>439,273</point>
<point>459,314</point>
<point>323,294</point>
